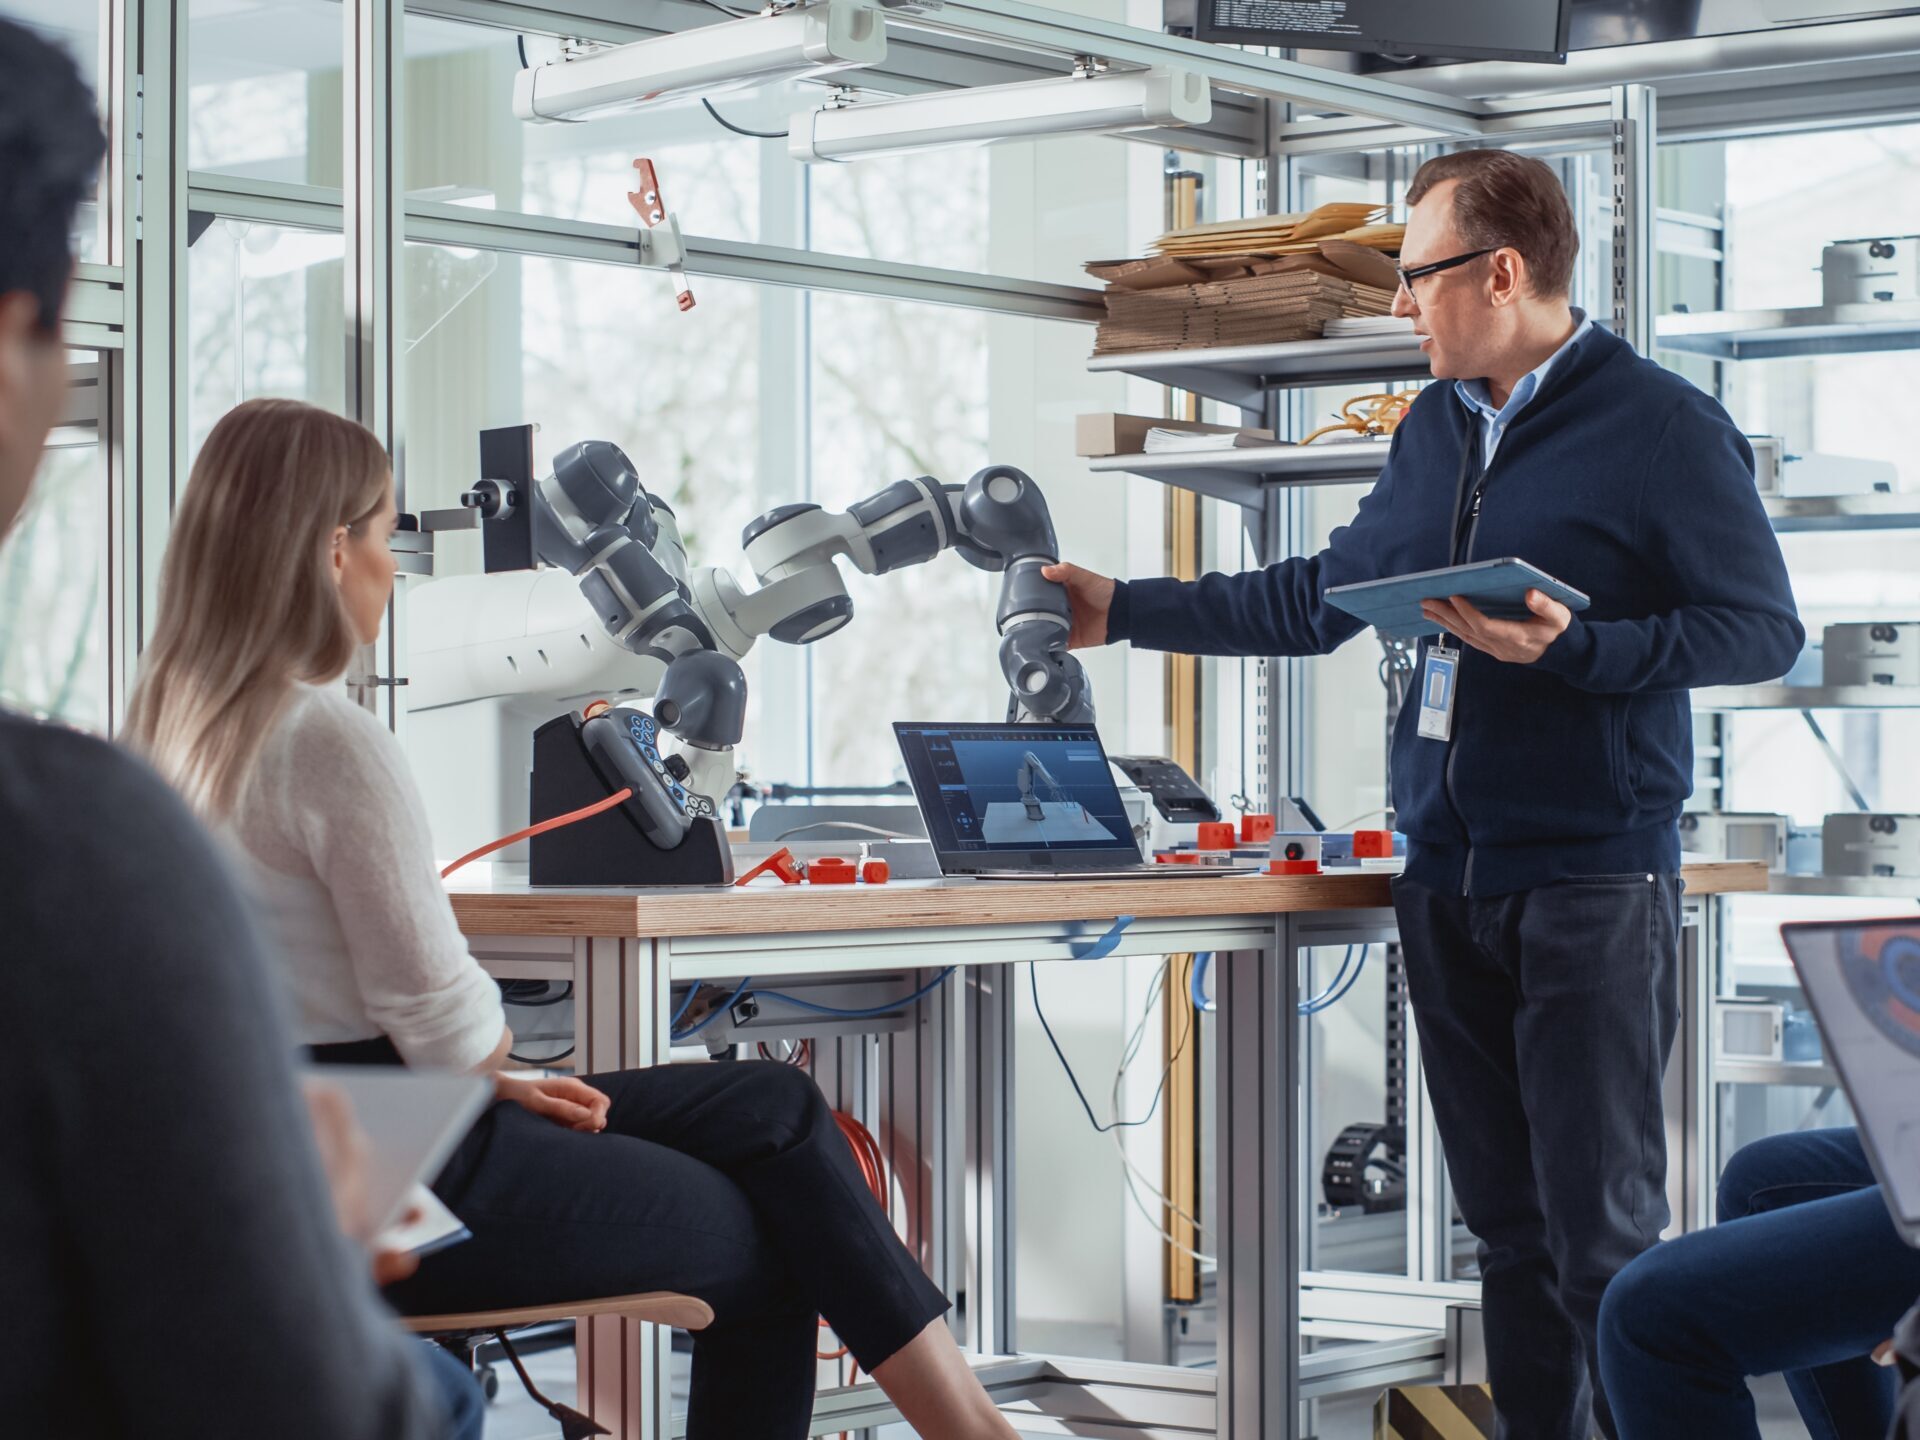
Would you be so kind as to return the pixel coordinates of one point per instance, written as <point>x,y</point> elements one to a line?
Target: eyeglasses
<point>1407,277</point>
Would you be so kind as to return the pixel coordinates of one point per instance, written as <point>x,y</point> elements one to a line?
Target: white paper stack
<point>1159,441</point>
<point>1349,326</point>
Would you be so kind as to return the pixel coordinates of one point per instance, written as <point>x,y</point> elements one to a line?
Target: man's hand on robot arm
<point>998,521</point>
<point>1003,512</point>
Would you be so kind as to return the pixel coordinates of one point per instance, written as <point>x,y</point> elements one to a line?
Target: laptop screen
<point>1863,981</point>
<point>993,792</point>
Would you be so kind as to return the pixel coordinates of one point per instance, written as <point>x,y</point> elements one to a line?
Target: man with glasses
<point>1539,910</point>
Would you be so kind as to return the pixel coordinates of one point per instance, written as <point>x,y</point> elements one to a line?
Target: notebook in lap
<point>1862,978</point>
<point>1027,802</point>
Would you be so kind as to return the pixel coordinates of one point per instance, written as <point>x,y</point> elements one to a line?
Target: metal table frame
<point>936,1084</point>
<point>941,1087</point>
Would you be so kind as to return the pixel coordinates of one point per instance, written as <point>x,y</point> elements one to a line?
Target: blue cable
<point>685,1005</point>
<point>1309,1007</point>
<point>1336,989</point>
<point>1331,997</point>
<point>1033,976</point>
<point>718,1011</point>
<point>1107,943</point>
<point>868,1014</point>
<point>1197,983</point>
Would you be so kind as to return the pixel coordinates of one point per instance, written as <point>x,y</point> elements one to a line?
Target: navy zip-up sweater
<point>1619,478</point>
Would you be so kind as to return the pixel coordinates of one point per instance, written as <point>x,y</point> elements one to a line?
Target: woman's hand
<point>561,1099</point>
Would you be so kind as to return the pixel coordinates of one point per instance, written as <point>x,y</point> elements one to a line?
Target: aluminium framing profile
<point>313,208</point>
<point>993,42</point>
<point>1309,86</point>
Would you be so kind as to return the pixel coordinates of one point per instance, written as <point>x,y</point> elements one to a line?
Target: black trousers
<point>1545,1021</point>
<point>726,1181</point>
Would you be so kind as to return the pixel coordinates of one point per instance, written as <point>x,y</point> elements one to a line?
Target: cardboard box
<point>1110,434</point>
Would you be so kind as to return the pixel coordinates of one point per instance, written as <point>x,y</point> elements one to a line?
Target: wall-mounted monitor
<point>1457,29</point>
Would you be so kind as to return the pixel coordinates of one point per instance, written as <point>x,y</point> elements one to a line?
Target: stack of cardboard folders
<point>1250,282</point>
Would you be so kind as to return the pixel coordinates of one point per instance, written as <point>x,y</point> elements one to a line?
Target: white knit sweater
<point>337,858</point>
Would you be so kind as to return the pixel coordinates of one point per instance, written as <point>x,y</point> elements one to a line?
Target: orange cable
<point>583,813</point>
<point>873,1169</point>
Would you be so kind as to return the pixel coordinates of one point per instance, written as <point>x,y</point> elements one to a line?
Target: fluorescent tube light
<point>1090,105</point>
<point>813,40</point>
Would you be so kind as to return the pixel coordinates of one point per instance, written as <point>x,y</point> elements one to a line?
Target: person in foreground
<point>1805,1273</point>
<point>171,1256</point>
<point>1539,910</point>
<point>730,1182</point>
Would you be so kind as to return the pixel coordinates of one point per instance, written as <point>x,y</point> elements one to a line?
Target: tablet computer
<point>412,1119</point>
<point>1860,979</point>
<point>1498,587</point>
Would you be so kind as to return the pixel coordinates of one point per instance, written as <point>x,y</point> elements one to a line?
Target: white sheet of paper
<point>412,1119</point>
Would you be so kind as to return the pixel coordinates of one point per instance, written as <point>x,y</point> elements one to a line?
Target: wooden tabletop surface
<point>765,908</point>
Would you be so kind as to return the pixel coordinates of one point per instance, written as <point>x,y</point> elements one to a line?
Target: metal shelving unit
<point>1244,375</point>
<point>1239,476</point>
<point>1775,1072</point>
<point>1859,887</point>
<point>1804,333</point>
<point>1788,334</point>
<point>1820,514</point>
<point>1808,697</point>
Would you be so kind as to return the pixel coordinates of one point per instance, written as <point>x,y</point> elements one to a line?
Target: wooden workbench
<point>944,1084</point>
<point>767,908</point>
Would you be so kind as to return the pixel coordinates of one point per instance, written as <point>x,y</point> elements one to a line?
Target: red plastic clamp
<point>1256,829</point>
<point>829,871</point>
<point>1372,844</point>
<point>1216,835</point>
<point>780,863</point>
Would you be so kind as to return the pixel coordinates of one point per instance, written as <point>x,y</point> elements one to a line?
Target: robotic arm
<point>997,521</point>
<point>594,519</point>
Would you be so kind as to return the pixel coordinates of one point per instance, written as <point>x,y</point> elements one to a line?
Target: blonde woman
<point>730,1182</point>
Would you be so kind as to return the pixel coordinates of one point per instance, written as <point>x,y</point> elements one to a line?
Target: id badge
<point>1437,680</point>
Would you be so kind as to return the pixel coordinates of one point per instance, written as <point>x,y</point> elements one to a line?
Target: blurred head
<point>1477,317</point>
<point>50,149</point>
<point>277,569</point>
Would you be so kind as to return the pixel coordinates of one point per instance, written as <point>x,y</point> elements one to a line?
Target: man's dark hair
<point>50,149</point>
<point>1512,200</point>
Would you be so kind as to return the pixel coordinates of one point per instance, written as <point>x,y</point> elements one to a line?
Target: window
<point>265,89</point>
<point>264,318</point>
<point>53,583</point>
<point>75,26</point>
<point>466,146</point>
<point>884,409</point>
<point>593,352</point>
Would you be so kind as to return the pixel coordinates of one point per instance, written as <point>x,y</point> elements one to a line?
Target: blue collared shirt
<point>1495,419</point>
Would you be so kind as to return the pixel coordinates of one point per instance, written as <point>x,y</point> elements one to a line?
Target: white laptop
<point>1027,802</point>
<point>1862,978</point>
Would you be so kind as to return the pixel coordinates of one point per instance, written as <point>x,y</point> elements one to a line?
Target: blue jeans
<point>1805,1274</point>
<point>460,1394</point>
